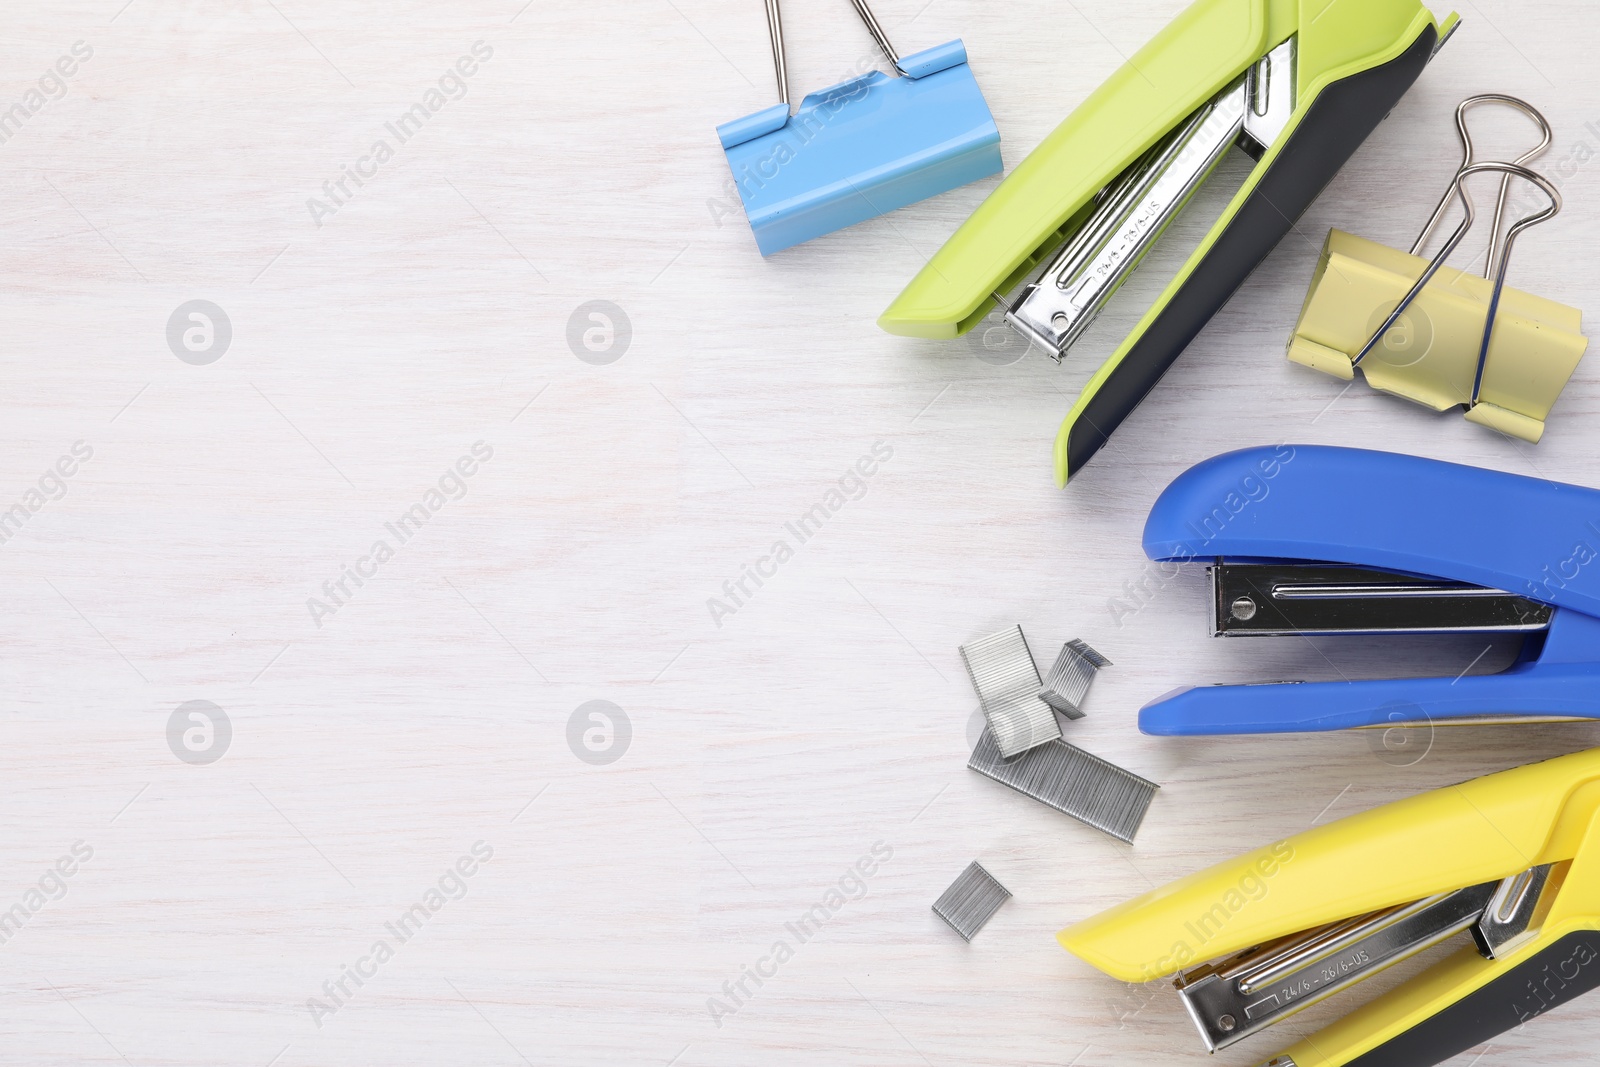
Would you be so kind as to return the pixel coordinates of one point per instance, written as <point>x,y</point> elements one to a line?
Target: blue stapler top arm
<point>1319,540</point>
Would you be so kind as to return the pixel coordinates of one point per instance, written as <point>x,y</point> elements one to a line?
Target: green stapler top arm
<point>1298,83</point>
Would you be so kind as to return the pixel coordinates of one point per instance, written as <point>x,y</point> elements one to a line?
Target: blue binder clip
<point>1315,540</point>
<point>863,147</point>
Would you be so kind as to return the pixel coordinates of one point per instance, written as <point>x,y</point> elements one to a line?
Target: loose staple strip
<point>1073,782</point>
<point>1068,682</point>
<point>1003,673</point>
<point>971,901</point>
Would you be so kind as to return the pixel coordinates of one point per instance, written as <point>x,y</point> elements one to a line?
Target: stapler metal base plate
<point>1277,600</point>
<point>1240,997</point>
<point>1133,211</point>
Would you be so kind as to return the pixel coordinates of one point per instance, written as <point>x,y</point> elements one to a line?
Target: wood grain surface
<point>403,758</point>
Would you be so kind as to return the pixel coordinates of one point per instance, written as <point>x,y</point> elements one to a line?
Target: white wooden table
<point>380,734</point>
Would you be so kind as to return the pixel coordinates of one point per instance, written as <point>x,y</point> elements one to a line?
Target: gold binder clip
<point>1452,338</point>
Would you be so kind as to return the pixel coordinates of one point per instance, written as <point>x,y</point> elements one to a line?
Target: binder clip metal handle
<point>1500,257</point>
<point>1467,160</point>
<point>925,63</point>
<point>775,31</point>
<point>876,29</point>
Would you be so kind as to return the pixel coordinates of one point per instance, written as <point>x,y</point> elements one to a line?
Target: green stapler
<point>1298,84</point>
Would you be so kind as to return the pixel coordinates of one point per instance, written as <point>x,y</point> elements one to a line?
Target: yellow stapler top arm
<point>1303,918</point>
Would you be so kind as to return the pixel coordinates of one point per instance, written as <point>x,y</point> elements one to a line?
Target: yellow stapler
<point>1296,84</point>
<point>1513,859</point>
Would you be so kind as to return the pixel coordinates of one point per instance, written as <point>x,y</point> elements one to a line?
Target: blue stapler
<point>1315,540</point>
